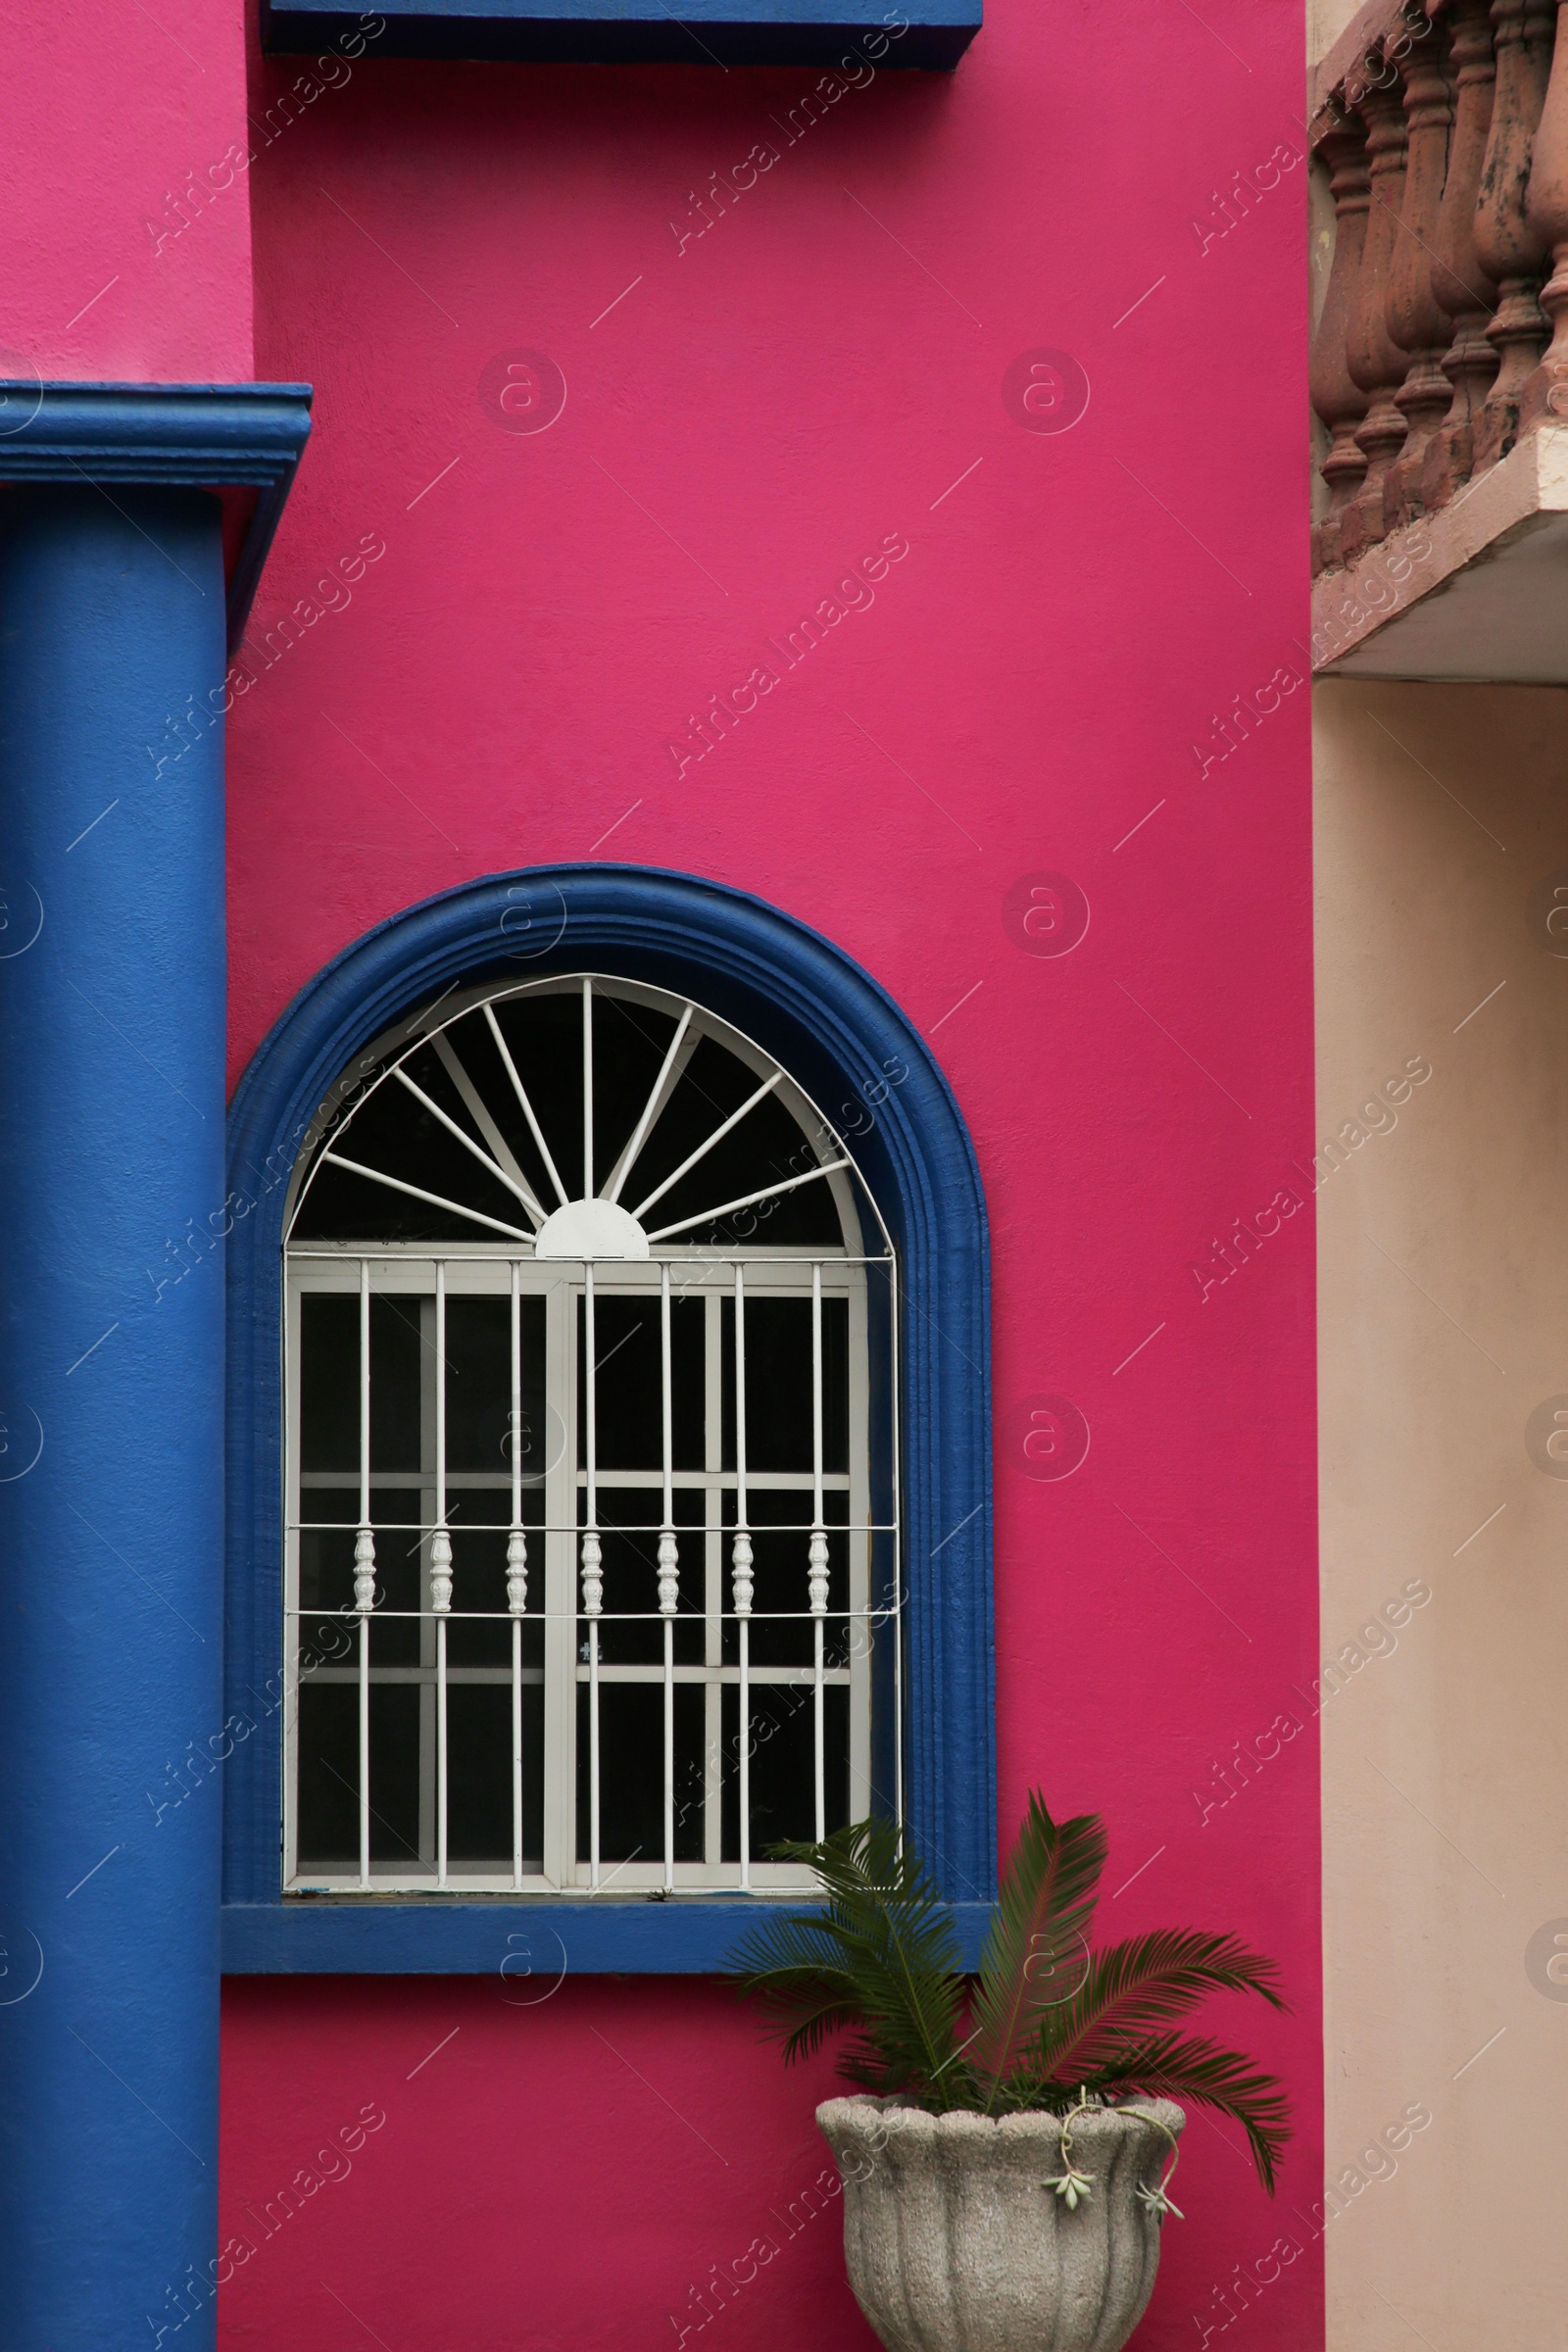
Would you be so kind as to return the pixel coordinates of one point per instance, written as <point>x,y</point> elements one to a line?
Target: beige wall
<point>1443,1305</point>
<point>1326,19</point>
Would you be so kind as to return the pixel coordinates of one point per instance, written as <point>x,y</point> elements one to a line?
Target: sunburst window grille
<point>592,1534</point>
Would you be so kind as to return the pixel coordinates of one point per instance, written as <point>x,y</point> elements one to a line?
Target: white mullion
<point>587,1090</point>
<point>516,1578</point>
<point>668,1572</point>
<point>712,1482</point>
<point>702,1150</point>
<point>474,1103</point>
<point>493,1167</point>
<point>365,1572</point>
<point>858,1539</point>
<point>440,1571</point>
<point>653,1107</point>
<point>562,1603</point>
<point>593,1588</point>
<point>895,1513</point>
<point>743,1587</point>
<point>521,1092</point>
<point>291,1586</point>
<point>817,1579</point>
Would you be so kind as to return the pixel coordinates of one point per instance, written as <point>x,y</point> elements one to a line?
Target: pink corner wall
<point>500,634</point>
<point>123,191</point>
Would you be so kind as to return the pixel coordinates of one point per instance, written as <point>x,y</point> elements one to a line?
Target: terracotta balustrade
<point>1447,149</point>
<point>1416,321</point>
<point>1547,207</point>
<point>1460,283</point>
<point>1338,399</point>
<point>1376,364</point>
<point>1507,245</point>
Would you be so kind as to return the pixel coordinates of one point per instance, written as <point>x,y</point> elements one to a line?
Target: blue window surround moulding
<point>698,33</point>
<point>206,436</point>
<point>830,1024</point>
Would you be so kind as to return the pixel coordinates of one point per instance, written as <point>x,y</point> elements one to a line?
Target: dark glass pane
<point>782,1748</point>
<point>767,1148</point>
<point>631,1771</point>
<point>326,1574</point>
<point>543,1037</point>
<point>479,1774</point>
<point>629,1565</point>
<point>631,1042</point>
<point>397,1364</point>
<point>388,1129</point>
<point>400,1575</point>
<point>395,1776</point>
<point>780,1579</point>
<point>329,1811</point>
<point>391,1131</point>
<point>778,1385</point>
<point>629,1394</point>
<point>329,1382</point>
<point>478,1365</point>
<point>329,1824</point>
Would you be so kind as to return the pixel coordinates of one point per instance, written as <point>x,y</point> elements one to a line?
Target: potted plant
<point>1006,2158</point>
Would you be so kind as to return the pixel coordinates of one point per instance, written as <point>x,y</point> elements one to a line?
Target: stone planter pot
<point>953,2245</point>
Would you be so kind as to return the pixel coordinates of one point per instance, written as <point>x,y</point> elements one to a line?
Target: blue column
<point>111,1029</point>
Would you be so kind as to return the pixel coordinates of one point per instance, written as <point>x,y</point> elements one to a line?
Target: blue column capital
<point>221,437</point>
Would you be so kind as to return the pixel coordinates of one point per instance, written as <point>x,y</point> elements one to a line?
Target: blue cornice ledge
<point>532,1944</point>
<point>930,34</point>
<point>202,436</point>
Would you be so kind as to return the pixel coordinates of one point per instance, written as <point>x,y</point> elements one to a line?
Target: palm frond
<point>1134,1987</point>
<point>1202,2073</point>
<point>1037,1935</point>
<point>880,1955</point>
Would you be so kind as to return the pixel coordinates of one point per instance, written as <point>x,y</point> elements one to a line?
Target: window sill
<point>724,32</point>
<point>533,1943</point>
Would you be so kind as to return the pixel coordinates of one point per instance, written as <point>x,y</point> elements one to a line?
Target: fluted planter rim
<point>954,2241</point>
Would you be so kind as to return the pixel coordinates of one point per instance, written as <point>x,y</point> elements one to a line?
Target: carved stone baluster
<point>1508,248</point>
<point>1462,287</point>
<point>1546,206</point>
<point>1338,401</point>
<point>1415,319</point>
<point>1376,362</point>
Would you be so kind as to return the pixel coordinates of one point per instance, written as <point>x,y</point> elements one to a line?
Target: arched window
<point>590,1339</point>
<point>439,1582</point>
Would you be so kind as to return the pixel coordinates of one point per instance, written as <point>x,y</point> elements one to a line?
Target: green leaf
<point>1038,1936</point>
<point>880,1955</point>
<point>1202,2073</point>
<point>1142,1984</point>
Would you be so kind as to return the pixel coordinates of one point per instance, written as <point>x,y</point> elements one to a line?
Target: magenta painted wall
<point>747,415</point>
<point>123,189</point>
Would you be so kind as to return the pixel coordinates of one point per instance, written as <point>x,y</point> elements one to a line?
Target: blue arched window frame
<point>830,1024</point>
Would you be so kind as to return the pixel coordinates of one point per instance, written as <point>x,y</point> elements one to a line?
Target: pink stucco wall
<point>748,414</point>
<point>123,191</point>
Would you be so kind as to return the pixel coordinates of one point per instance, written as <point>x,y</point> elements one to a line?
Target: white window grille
<point>592,1537</point>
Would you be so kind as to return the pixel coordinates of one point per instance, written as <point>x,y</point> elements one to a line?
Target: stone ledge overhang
<point>697,32</point>
<point>1476,592</point>
<point>243,441</point>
